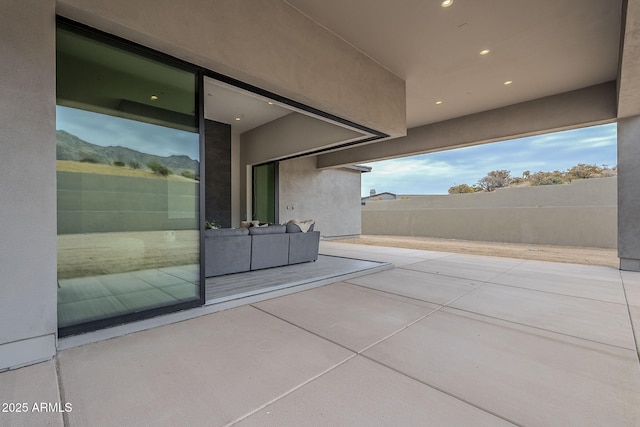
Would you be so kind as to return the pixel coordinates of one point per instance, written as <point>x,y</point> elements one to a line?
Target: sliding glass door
<point>128,188</point>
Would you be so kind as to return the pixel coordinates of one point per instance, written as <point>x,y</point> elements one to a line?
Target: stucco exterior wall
<point>330,197</point>
<point>28,188</point>
<point>583,213</point>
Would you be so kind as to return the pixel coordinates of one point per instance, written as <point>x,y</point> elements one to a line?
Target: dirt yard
<point>568,254</point>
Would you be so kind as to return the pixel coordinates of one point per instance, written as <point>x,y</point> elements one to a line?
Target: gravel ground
<point>567,254</point>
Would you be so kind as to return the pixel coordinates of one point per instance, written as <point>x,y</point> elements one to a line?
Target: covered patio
<point>440,339</point>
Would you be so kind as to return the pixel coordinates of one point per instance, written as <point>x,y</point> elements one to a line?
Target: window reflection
<point>127,183</point>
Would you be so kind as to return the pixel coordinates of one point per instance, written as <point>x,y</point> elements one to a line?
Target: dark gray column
<point>629,193</point>
<point>217,152</point>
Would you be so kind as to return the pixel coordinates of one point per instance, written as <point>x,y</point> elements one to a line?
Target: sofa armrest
<point>303,247</point>
<point>226,254</point>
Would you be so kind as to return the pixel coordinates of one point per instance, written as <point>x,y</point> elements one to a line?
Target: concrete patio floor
<point>441,339</point>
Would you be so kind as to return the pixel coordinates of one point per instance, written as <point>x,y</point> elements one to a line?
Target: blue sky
<point>434,173</point>
<point>106,130</point>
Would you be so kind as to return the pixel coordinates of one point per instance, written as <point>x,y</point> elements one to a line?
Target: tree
<point>495,179</point>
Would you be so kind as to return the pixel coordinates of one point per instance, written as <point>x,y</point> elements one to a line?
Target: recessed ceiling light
<point>508,82</point>
<point>154,97</point>
<point>438,102</point>
<point>446,3</point>
<point>484,52</point>
<point>238,119</point>
<point>270,103</point>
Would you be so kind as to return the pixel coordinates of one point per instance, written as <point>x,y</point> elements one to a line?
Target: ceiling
<point>241,109</point>
<point>245,111</point>
<point>543,47</point>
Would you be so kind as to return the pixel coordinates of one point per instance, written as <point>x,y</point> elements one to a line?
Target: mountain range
<point>70,147</point>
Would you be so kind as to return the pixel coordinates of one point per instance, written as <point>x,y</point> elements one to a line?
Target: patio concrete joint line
<point>315,377</point>
<point>440,389</point>
<point>61,394</point>
<point>538,327</point>
<point>306,330</point>
<point>504,272</point>
<point>552,293</point>
<point>633,329</point>
<point>417,320</point>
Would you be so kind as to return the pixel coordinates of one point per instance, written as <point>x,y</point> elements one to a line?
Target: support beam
<point>628,195</point>
<point>591,105</point>
<point>629,67</point>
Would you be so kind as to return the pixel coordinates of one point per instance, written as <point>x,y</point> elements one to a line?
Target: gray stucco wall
<point>28,186</point>
<point>583,213</point>
<point>331,197</point>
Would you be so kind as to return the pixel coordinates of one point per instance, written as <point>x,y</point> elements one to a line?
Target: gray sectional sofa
<point>234,250</point>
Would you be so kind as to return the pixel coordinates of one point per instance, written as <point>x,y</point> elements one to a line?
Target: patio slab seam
<point>555,293</point>
<point>633,328</point>
<point>61,393</point>
<point>448,306</point>
<point>361,353</point>
<point>293,390</point>
<point>449,310</point>
<point>440,307</point>
<point>416,321</point>
<point>481,284</point>
<point>466,402</point>
<point>404,267</point>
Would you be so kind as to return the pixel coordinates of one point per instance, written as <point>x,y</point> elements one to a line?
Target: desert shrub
<point>548,178</point>
<point>463,188</point>
<point>584,171</point>
<point>118,163</point>
<point>88,159</point>
<point>156,167</point>
<point>495,179</point>
<point>552,180</point>
<point>188,174</point>
<point>134,165</point>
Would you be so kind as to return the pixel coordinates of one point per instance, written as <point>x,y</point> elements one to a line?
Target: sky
<point>434,173</point>
<point>106,130</point>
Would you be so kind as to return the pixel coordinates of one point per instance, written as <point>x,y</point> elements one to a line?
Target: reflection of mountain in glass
<point>70,147</point>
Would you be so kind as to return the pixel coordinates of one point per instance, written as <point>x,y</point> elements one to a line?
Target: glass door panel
<point>128,165</point>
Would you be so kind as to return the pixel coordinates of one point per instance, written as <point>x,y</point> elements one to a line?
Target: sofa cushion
<point>272,229</point>
<point>295,226</point>
<point>224,232</point>
<point>269,250</point>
